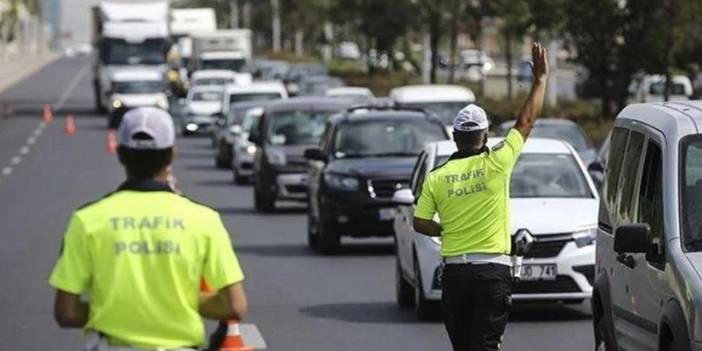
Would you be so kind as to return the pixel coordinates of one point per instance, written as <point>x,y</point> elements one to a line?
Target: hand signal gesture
<point>539,62</point>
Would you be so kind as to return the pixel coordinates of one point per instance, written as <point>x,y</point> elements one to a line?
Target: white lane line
<point>72,86</point>
<point>16,160</point>
<point>6,171</point>
<point>252,336</point>
<point>24,150</point>
<point>31,140</point>
<point>38,132</point>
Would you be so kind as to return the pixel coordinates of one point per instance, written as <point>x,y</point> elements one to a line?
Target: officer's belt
<point>478,258</point>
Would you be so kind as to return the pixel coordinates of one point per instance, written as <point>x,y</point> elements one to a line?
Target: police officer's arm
<point>532,107</point>
<point>427,227</point>
<point>69,310</point>
<point>226,304</point>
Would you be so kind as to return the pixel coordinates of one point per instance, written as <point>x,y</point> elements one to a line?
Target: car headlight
<point>276,158</point>
<point>162,103</point>
<point>251,149</point>
<point>585,237</point>
<point>340,182</point>
<point>116,103</point>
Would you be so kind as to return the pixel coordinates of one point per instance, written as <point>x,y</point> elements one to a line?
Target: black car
<point>286,129</point>
<point>364,157</point>
<point>223,133</point>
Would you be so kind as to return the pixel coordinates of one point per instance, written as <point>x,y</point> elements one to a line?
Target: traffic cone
<point>111,144</point>
<point>47,116</point>
<point>70,126</point>
<point>233,340</point>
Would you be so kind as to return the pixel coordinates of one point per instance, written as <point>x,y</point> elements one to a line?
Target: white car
<point>256,91</point>
<point>478,59</point>
<point>202,105</point>
<point>442,100</point>
<point>243,151</point>
<point>552,197</point>
<point>651,88</point>
<point>219,77</point>
<point>135,87</point>
<point>358,94</point>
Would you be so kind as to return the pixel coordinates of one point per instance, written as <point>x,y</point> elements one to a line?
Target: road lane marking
<point>24,150</point>
<point>71,87</point>
<point>16,160</point>
<point>6,171</point>
<point>252,336</point>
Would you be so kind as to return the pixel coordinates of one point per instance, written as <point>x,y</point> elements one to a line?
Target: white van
<point>647,293</point>
<point>444,101</point>
<point>651,88</point>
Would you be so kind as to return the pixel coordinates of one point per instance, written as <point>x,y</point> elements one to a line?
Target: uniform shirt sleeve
<point>73,271</point>
<point>221,264</point>
<point>504,155</point>
<point>426,206</point>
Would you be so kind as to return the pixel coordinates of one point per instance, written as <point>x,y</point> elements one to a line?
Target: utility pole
<point>234,14</point>
<point>246,14</point>
<point>275,9</point>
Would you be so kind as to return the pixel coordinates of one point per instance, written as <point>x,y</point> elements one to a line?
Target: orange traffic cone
<point>47,116</point>
<point>111,144</point>
<point>70,126</point>
<point>233,340</point>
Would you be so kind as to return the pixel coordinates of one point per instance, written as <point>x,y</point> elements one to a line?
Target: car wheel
<point>312,233</point>
<point>422,307</point>
<point>329,239</point>
<point>604,338</point>
<point>263,203</point>
<point>403,289</point>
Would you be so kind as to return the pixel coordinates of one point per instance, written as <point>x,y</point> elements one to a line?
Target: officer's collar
<point>460,154</point>
<point>144,185</point>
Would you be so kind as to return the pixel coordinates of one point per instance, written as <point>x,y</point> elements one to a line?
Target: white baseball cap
<point>470,119</point>
<point>146,128</point>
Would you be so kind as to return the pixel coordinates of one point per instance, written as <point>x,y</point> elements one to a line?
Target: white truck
<point>186,23</point>
<point>223,49</point>
<point>128,34</point>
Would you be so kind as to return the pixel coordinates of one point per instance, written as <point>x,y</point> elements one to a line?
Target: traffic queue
<point>294,133</point>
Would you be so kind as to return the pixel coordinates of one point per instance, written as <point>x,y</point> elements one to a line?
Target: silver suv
<point>648,288</point>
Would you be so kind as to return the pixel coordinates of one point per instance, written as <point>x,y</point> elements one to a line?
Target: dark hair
<point>473,140</point>
<point>144,164</point>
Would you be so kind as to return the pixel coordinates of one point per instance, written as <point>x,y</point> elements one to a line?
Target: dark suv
<point>286,129</point>
<point>366,155</point>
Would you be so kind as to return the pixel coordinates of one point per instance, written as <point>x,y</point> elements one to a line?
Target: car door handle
<point>627,260</point>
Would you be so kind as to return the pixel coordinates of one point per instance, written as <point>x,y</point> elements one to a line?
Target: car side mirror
<point>632,238</point>
<point>403,197</point>
<point>236,129</point>
<point>596,166</point>
<point>315,154</point>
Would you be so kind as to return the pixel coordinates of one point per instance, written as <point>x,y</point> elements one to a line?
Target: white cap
<point>146,128</point>
<point>470,119</point>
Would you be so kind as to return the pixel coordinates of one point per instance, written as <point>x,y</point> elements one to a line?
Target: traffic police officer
<point>141,252</point>
<point>470,193</point>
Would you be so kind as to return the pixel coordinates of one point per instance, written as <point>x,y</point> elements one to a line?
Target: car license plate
<point>539,272</point>
<point>386,214</point>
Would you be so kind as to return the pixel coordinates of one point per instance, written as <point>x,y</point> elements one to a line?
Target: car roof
<point>380,115</point>
<point>217,88</point>
<point>248,104</point>
<point>543,121</point>
<point>532,146</point>
<point>432,93</point>
<point>213,73</point>
<point>310,103</point>
<point>255,87</point>
<point>674,119</point>
<point>133,74</point>
<point>349,90</point>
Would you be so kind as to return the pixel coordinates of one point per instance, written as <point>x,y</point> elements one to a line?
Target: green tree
<point>514,18</point>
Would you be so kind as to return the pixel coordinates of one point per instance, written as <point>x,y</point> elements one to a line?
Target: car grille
<point>386,188</point>
<point>562,284</point>
<point>296,189</point>
<point>548,246</point>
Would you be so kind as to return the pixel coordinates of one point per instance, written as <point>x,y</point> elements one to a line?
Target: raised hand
<point>539,63</point>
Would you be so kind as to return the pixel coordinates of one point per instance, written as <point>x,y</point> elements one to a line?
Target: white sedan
<point>552,197</point>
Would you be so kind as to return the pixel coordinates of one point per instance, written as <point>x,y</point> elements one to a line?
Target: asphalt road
<point>299,300</point>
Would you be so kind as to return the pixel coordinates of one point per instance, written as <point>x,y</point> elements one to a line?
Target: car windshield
<point>234,98</point>
<point>568,133</point>
<point>548,176</point>
<point>138,87</point>
<point>297,127</point>
<point>249,121</point>
<point>207,96</point>
<point>691,191</point>
<point>386,138</point>
<point>445,111</point>
<point>213,81</point>
<point>658,88</point>
<point>236,65</point>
